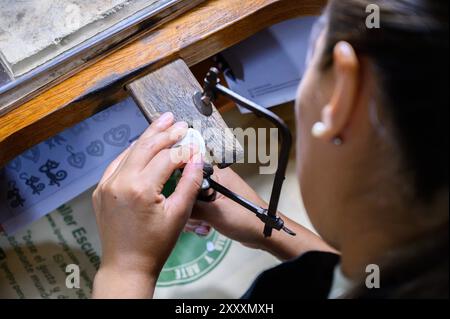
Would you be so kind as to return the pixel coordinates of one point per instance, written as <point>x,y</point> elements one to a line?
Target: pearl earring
<point>319,129</point>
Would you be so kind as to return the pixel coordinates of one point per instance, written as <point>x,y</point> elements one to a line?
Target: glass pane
<point>33,32</point>
<point>42,41</point>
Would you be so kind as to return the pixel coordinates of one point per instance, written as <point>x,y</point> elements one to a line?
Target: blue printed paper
<point>59,169</point>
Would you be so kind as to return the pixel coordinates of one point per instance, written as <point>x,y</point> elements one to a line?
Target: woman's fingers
<point>186,193</point>
<point>198,227</point>
<point>160,135</point>
<point>161,167</point>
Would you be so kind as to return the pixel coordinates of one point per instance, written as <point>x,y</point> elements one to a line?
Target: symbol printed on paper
<point>48,169</point>
<point>15,165</point>
<point>33,183</point>
<point>32,154</point>
<point>139,113</point>
<point>55,140</point>
<point>96,148</point>
<point>102,116</point>
<point>117,136</point>
<point>75,159</point>
<point>118,107</point>
<point>79,128</point>
<point>13,196</point>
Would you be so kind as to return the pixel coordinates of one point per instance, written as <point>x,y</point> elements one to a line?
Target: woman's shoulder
<point>307,277</point>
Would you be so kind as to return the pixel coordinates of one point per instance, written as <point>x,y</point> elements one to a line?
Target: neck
<point>385,230</point>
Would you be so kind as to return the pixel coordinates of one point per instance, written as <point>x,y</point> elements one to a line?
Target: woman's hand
<point>237,223</point>
<point>226,216</point>
<point>138,226</point>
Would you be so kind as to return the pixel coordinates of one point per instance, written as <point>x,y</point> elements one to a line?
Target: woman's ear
<point>337,113</point>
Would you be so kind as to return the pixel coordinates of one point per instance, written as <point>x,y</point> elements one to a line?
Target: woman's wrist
<point>280,245</point>
<point>118,282</point>
<point>286,247</point>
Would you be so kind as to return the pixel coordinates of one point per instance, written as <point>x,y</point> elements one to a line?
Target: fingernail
<point>345,49</point>
<point>165,119</point>
<point>181,125</point>
<point>179,130</point>
<point>202,230</point>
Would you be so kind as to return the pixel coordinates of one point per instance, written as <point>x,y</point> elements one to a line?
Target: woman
<point>372,115</point>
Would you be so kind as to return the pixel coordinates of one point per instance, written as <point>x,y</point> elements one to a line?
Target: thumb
<point>182,200</point>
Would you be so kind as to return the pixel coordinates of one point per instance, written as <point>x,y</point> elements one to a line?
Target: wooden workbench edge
<point>195,36</point>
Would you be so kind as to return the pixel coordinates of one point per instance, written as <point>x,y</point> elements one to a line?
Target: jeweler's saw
<point>173,88</point>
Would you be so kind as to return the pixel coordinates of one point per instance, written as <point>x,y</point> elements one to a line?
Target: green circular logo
<point>193,258</point>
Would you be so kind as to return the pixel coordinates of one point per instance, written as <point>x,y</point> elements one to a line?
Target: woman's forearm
<point>285,247</point>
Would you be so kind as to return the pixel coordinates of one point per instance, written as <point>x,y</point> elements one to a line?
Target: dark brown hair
<point>409,53</point>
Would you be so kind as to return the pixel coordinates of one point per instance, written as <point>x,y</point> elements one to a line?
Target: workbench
<point>193,37</point>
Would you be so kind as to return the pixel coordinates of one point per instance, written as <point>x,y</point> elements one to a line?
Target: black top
<point>418,271</point>
<point>313,272</point>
